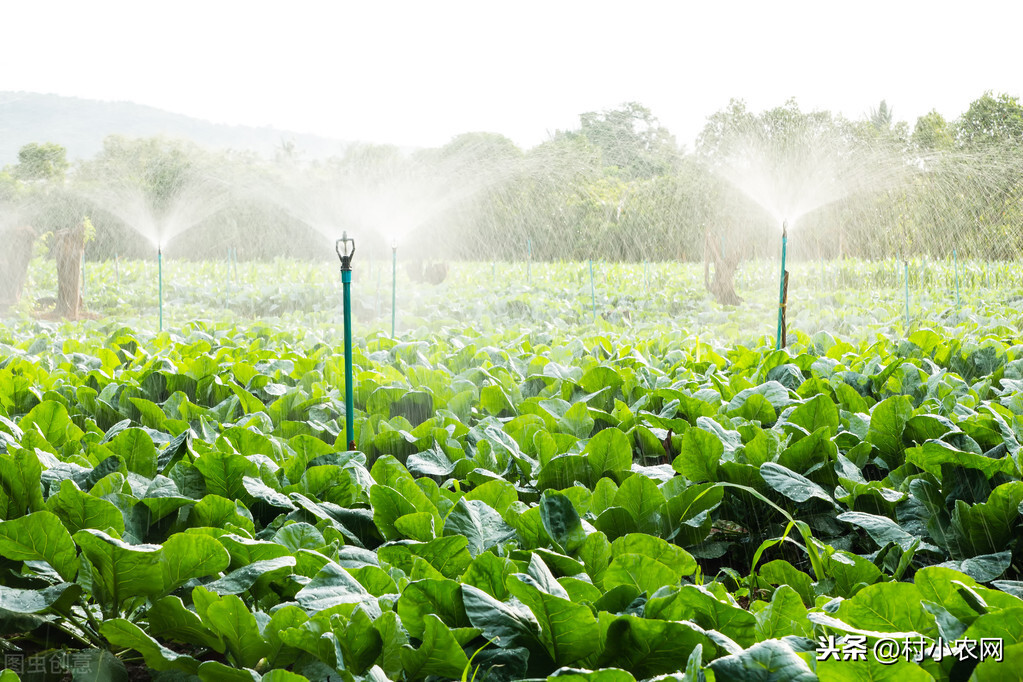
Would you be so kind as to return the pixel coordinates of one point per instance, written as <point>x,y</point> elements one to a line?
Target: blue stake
<point>593,293</point>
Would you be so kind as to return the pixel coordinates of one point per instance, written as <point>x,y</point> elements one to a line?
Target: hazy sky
<point>418,73</point>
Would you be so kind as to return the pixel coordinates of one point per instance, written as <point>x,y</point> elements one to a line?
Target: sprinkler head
<point>394,244</point>
<point>785,229</point>
<point>341,248</point>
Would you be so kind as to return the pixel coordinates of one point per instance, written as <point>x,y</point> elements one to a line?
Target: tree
<point>41,162</point>
<point>991,120</point>
<point>932,133</point>
<point>881,117</point>
<point>630,139</point>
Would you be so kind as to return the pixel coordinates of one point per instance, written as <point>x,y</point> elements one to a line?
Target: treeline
<point>618,187</point>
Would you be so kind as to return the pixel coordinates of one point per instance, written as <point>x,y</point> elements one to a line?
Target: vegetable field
<point>607,481</point>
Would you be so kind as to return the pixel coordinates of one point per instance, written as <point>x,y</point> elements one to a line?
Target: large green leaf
<point>568,631</point>
<point>40,536</point>
<point>21,489</point>
<point>770,661</point>
<point>482,526</point>
<point>818,412</point>
<point>439,654</point>
<point>333,586</point>
<point>442,598</point>
<point>698,459</point>
<point>609,450</point>
<point>123,633</point>
<point>887,422</point>
<point>230,619</point>
<point>121,571</point>
<point>188,555</point>
<point>561,521</point>
<point>647,647</point>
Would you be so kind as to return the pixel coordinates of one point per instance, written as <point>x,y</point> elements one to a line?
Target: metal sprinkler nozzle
<point>785,229</point>
<point>341,248</point>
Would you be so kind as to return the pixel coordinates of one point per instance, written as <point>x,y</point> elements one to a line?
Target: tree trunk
<point>14,258</point>
<point>69,248</point>
<point>722,285</point>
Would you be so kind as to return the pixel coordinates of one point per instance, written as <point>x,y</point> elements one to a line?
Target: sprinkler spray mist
<point>341,247</point>
<point>783,288</point>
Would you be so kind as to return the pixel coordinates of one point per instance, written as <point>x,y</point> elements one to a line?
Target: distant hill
<point>81,124</point>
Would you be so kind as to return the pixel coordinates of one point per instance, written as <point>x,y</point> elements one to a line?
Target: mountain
<point>81,124</point>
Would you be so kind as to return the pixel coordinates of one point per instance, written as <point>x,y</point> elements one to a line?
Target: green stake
<point>341,247</point>
<point>593,293</point>
<point>955,260</point>
<point>781,286</point>
<point>394,283</point>
<point>159,270</point>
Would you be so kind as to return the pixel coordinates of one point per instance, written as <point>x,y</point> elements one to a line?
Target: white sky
<point>418,73</point>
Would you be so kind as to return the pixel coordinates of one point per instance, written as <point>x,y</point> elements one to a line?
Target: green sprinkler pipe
<point>955,260</point>
<point>394,283</point>
<point>341,247</point>
<point>159,273</point>
<point>593,293</point>
<point>906,278</point>
<point>781,285</point>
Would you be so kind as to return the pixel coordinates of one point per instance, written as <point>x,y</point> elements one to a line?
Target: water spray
<point>783,288</point>
<point>593,293</point>
<point>394,282</point>
<point>83,275</point>
<point>227,301</point>
<point>341,247</point>
<point>905,264</point>
<point>529,261</point>
<point>955,262</point>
